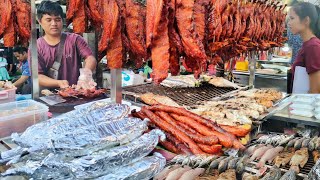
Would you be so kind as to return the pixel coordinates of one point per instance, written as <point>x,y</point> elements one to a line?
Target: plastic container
<point>18,116</point>
<point>8,95</point>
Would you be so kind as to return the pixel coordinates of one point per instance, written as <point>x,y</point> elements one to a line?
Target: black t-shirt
<point>10,61</point>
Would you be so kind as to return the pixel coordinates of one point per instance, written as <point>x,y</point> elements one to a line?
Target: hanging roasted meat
<point>174,40</point>
<point>80,19</point>
<point>9,34</point>
<point>135,26</point>
<point>110,23</point>
<point>193,46</point>
<point>112,36</point>
<point>157,36</point>
<point>94,11</point>
<point>5,16</point>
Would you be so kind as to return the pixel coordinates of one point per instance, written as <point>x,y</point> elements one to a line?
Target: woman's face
<point>295,24</point>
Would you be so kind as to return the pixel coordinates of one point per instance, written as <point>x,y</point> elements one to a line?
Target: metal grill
<point>182,96</point>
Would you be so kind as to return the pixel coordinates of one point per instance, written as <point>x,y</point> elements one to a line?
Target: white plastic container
<point>18,116</point>
<point>8,95</point>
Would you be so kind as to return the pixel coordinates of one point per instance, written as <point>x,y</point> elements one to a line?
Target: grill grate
<point>182,96</point>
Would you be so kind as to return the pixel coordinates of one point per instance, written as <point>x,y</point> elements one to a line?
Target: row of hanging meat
<point>15,22</point>
<point>198,32</point>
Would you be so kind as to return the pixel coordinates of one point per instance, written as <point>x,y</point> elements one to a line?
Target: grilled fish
<point>299,159</point>
<point>252,148</point>
<point>259,152</point>
<point>274,174</point>
<point>232,164</point>
<point>292,142</point>
<point>230,174</point>
<point>312,143</point>
<point>289,175</point>
<point>316,156</point>
<point>283,159</point>
<point>224,164</point>
<point>164,173</point>
<point>269,155</point>
<point>215,163</point>
<point>248,176</point>
<point>305,143</point>
<point>298,143</point>
<point>286,140</point>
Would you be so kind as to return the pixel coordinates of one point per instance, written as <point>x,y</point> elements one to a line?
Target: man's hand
<point>85,80</point>
<point>63,84</point>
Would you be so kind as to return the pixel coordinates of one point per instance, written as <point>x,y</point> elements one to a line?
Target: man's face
<point>21,57</point>
<point>51,24</point>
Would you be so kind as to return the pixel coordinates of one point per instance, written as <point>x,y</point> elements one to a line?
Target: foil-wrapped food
<point>86,143</point>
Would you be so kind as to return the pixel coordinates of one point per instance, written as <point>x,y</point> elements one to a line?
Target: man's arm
<point>48,82</point>
<point>20,81</point>
<point>90,63</point>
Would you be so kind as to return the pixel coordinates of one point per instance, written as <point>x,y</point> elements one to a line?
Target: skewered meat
<point>168,128</point>
<point>169,146</point>
<point>208,140</point>
<point>218,131</point>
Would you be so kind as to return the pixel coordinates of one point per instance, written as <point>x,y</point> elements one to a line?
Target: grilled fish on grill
<point>283,159</point>
<point>152,99</point>
<point>316,156</point>
<point>289,175</point>
<point>299,159</point>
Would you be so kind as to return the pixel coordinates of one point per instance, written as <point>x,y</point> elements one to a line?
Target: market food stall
<point>196,126</point>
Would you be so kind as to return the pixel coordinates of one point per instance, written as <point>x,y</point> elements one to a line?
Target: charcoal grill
<point>182,96</point>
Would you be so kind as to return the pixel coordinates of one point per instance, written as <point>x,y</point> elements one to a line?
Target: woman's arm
<point>314,80</point>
